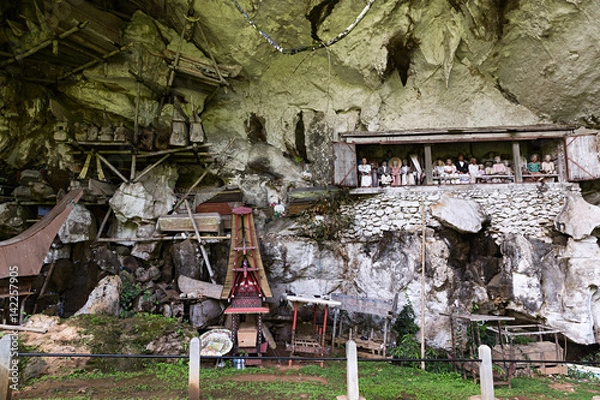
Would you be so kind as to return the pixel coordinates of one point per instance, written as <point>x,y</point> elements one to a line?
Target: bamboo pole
<point>113,169</point>
<point>423,282</point>
<point>44,44</point>
<point>103,224</point>
<point>43,289</point>
<point>150,168</point>
<point>184,197</point>
<point>159,239</point>
<point>202,249</point>
<point>94,62</point>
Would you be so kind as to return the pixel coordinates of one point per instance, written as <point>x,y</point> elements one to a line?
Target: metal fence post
<point>486,376</point>
<point>194,378</point>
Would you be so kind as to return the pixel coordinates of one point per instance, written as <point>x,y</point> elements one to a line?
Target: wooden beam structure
<point>451,135</point>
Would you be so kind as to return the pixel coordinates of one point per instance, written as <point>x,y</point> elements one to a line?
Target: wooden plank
<point>205,289</point>
<point>463,130</point>
<point>103,24</point>
<point>459,135</point>
<point>220,208</point>
<point>345,164</point>
<point>206,222</point>
<point>583,163</point>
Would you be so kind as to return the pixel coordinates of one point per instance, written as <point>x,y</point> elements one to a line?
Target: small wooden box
<point>246,335</point>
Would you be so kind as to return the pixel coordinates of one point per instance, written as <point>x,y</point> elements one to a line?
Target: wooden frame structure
<point>576,151</point>
<point>474,320</point>
<point>508,349</point>
<point>315,341</point>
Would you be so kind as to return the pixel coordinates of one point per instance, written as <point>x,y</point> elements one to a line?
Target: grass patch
<point>378,381</point>
<point>113,335</point>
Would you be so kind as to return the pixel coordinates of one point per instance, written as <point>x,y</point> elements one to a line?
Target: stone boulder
<point>523,268</point>
<point>104,299</point>
<point>578,218</point>
<point>187,259</point>
<point>79,226</point>
<point>168,344</point>
<point>575,309</point>
<point>202,314</point>
<point>146,275</point>
<point>145,250</point>
<point>462,215</point>
<point>57,252</point>
<point>13,219</point>
<point>106,259</point>
<point>148,199</point>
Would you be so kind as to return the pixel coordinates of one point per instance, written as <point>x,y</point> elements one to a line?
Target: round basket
<point>216,342</point>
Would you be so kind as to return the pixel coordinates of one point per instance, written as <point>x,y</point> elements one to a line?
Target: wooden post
<point>428,165</point>
<point>486,377</point>
<point>385,335</point>
<point>194,378</point>
<point>561,161</point>
<point>335,318</point>
<point>6,383</point>
<point>323,333</point>
<point>516,148</point>
<point>294,322</point>
<point>43,289</point>
<point>351,372</point>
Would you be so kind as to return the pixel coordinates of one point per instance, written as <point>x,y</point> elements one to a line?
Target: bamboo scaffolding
<point>94,62</point>
<point>44,44</point>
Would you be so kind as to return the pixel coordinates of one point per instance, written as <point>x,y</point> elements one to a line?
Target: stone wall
<point>528,209</point>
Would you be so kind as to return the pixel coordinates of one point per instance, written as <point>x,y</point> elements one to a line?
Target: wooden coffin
<point>206,222</point>
<point>205,289</point>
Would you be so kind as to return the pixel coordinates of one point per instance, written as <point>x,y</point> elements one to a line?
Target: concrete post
<point>5,367</point>
<point>194,378</point>
<point>351,372</point>
<point>486,377</point>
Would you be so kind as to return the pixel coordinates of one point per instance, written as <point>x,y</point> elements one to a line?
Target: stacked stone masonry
<point>526,209</point>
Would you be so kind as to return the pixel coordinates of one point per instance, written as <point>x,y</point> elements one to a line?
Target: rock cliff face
<point>406,64</point>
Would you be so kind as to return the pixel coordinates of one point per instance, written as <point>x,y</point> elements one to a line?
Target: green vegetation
<point>378,381</point>
<point>323,221</point>
<point>112,335</point>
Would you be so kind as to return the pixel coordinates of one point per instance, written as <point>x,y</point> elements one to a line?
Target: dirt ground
<point>134,388</point>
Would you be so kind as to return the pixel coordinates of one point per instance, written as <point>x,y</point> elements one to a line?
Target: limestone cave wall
<point>406,64</point>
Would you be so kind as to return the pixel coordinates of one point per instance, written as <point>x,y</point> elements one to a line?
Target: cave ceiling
<point>403,64</point>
